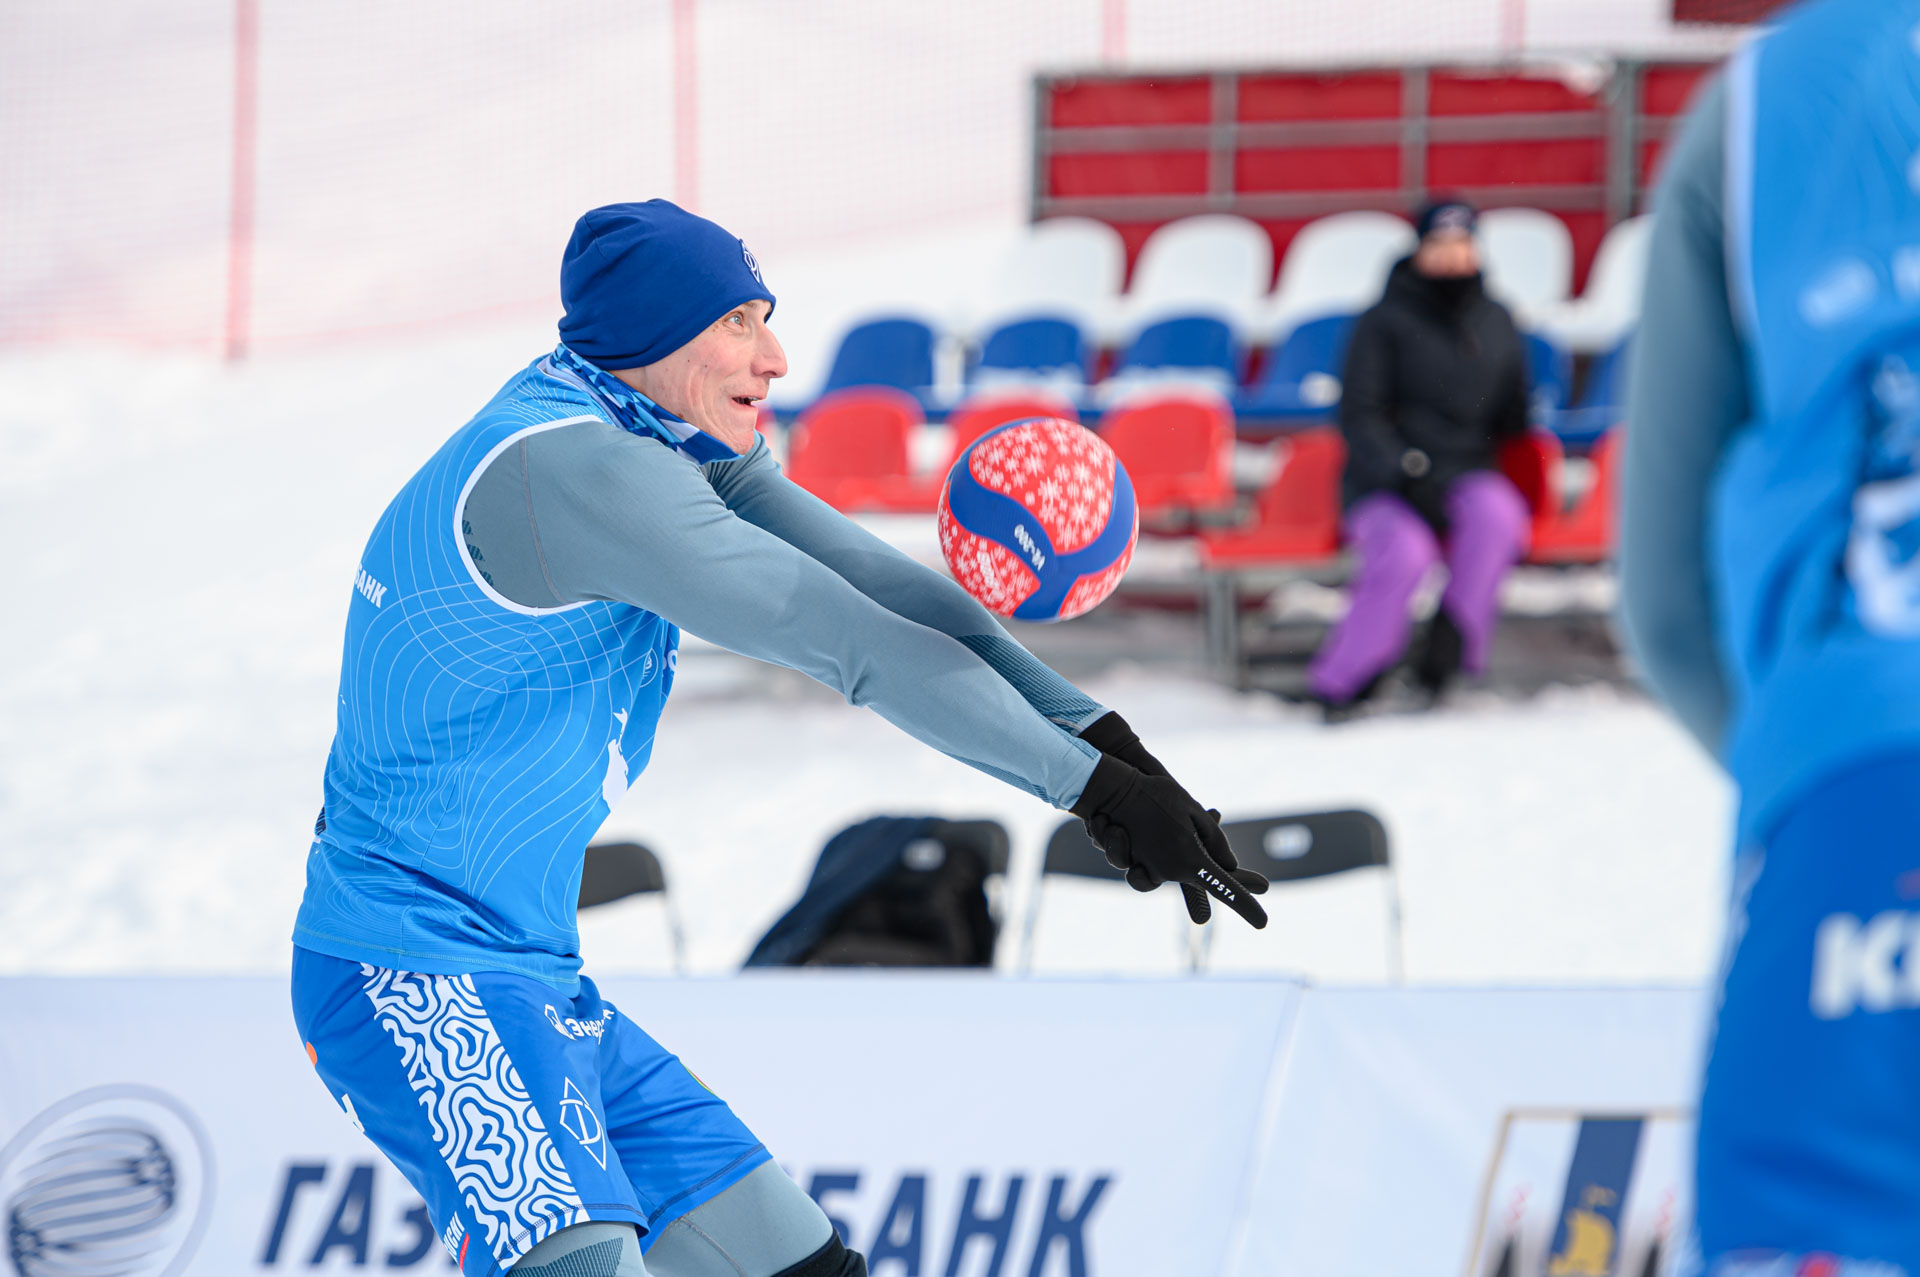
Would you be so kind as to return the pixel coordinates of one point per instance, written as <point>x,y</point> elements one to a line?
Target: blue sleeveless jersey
<point>479,743</point>
<point>1816,509</point>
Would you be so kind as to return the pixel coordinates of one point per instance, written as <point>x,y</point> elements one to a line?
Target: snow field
<point>184,538</point>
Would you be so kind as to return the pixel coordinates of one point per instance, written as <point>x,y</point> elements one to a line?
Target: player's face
<point>717,380</point>
<point>1445,254</point>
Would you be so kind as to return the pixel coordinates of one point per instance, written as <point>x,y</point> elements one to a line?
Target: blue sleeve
<point>1687,397</point>
<point>754,489</point>
<point>627,519</point>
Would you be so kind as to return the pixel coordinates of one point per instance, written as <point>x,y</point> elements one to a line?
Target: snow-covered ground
<point>182,538</point>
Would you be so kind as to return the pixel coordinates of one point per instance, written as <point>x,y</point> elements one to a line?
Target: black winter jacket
<point>1446,375</point>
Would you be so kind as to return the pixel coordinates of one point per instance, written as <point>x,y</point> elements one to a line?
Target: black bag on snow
<point>894,891</point>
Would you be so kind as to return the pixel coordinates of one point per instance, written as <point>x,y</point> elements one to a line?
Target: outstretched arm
<point>594,513</point>
<point>626,519</point>
<point>1148,825</point>
<point>754,489</point>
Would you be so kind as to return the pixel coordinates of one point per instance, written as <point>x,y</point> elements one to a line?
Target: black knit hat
<point>1446,215</point>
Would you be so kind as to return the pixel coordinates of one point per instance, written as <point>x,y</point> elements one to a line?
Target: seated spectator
<point>1436,378</point>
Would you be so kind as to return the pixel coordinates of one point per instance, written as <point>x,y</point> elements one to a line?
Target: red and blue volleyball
<point>1037,520</point>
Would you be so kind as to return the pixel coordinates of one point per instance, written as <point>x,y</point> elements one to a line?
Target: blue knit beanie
<point>639,281</point>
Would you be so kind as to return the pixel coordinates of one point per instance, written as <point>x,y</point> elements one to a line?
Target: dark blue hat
<point>639,281</point>
<point>1446,215</point>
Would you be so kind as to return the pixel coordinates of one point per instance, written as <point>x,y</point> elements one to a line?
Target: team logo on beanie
<point>753,263</point>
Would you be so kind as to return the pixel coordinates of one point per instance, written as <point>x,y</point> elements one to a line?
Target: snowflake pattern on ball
<point>1060,471</point>
<point>1062,474</point>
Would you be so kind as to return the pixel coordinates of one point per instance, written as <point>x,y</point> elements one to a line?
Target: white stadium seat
<point>1527,258</point>
<point>1066,267</point>
<point>1603,314</point>
<point>1212,264</point>
<point>1336,265</point>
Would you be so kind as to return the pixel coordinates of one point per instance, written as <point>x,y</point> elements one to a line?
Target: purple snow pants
<point>1488,534</point>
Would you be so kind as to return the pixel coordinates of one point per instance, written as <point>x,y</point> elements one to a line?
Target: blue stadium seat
<point>884,352</point>
<point>1602,403</point>
<point>1301,382</point>
<point>1049,348</point>
<point>1189,343</point>
<point>1549,372</point>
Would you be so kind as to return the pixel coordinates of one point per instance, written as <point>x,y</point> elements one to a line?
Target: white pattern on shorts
<point>504,1163</point>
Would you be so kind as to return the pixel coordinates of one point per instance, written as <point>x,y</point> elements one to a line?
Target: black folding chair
<point>1070,853</point>
<point>1317,845</point>
<point>1284,848</point>
<point>615,870</point>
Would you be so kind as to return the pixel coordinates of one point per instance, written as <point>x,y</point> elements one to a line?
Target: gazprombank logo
<point>116,1179</point>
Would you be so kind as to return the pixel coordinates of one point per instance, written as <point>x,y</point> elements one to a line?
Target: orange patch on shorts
<point>313,1056</point>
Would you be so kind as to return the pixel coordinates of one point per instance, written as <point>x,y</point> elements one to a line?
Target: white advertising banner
<point>951,1124</point>
<point>1463,1133</point>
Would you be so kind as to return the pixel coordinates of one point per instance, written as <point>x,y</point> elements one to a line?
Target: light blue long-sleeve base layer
<point>549,522</point>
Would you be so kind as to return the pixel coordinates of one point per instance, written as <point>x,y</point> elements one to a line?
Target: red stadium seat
<point>971,419</point>
<point>1586,533</point>
<point>982,413</point>
<point>1532,462</point>
<point>1296,516</point>
<point>851,443</point>
<point>1178,451</point>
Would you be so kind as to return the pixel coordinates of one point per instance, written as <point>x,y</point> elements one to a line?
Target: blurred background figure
<point>1435,379</point>
<point>1767,584</point>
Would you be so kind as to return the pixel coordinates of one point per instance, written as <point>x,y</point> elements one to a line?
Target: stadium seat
<point>1600,318</point>
<point>1042,351</point>
<point>615,881</point>
<point>1296,516</point>
<point>1213,264</point>
<point>1336,264</point>
<point>981,413</point>
<point>1527,260</point>
<point>1549,372</point>
<point>1195,352</point>
<point>1178,450</point>
<point>1587,533</point>
<point>852,444</point>
<point>971,418</point>
<point>896,352</point>
<point>1602,403</point>
<point>1301,382</point>
<point>1532,462</point>
<point>1067,267</point>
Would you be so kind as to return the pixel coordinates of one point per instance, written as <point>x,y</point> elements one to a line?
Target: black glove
<point>1110,734</point>
<point>1150,828</point>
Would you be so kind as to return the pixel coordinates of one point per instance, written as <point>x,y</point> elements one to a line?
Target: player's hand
<point>1149,828</point>
<point>1110,734</point>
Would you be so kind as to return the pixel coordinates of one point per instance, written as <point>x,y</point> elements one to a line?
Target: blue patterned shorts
<point>513,1109</point>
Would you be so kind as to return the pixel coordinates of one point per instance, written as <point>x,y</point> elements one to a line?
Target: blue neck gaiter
<point>633,411</point>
